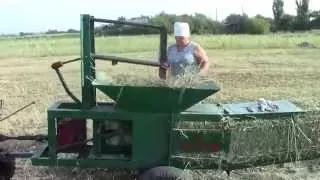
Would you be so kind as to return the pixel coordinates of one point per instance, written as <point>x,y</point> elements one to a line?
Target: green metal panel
<point>88,92</point>
<point>202,112</point>
<point>156,99</point>
<point>124,150</point>
<point>151,139</point>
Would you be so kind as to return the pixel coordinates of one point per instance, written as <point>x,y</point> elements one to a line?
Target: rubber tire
<point>7,165</point>
<point>164,173</point>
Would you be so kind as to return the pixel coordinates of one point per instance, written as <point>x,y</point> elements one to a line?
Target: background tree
<point>303,15</point>
<point>236,24</point>
<point>287,23</point>
<point>278,12</point>
<point>315,19</point>
<point>258,25</point>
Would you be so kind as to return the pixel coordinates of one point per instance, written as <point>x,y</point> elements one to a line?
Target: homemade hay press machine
<point>157,143</point>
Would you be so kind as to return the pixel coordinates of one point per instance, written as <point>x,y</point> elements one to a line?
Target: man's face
<point>181,40</point>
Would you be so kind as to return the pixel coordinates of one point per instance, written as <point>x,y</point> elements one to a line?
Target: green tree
<point>236,24</point>
<point>315,14</point>
<point>205,25</point>
<point>164,19</point>
<point>287,22</point>
<point>258,25</point>
<point>277,9</point>
<point>200,24</point>
<point>303,16</point>
<point>270,20</point>
<point>315,21</point>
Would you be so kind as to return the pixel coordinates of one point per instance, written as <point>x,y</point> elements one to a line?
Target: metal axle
<point>23,138</point>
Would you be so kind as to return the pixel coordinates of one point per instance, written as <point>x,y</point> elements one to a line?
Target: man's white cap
<point>181,29</point>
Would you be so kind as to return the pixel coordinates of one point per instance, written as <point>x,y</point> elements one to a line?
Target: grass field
<point>246,67</point>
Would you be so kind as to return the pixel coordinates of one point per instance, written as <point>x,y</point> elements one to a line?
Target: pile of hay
<point>306,45</point>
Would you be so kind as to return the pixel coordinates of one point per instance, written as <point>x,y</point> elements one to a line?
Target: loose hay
<point>185,81</point>
<point>306,45</point>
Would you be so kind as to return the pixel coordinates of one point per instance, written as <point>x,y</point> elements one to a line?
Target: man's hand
<point>164,66</point>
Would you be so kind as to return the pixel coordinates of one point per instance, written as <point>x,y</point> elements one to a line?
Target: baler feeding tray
<point>154,98</point>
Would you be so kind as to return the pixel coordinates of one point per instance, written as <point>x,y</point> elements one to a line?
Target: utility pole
<point>216,14</point>
<point>242,9</point>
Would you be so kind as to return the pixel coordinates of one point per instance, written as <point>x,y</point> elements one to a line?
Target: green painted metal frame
<point>87,63</point>
<point>156,140</point>
<point>157,150</point>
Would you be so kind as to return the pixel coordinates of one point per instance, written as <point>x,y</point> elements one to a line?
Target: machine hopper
<point>156,99</point>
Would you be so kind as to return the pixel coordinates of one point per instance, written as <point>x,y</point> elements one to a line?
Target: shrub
<point>257,26</point>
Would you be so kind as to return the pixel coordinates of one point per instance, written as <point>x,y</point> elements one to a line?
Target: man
<point>185,56</point>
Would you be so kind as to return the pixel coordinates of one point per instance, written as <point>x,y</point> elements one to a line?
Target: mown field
<point>246,67</point>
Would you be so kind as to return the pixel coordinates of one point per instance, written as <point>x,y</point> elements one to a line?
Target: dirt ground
<point>25,80</point>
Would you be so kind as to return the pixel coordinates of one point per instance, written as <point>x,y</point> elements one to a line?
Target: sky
<point>40,15</point>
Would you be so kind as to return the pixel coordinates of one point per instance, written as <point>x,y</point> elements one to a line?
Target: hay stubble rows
<point>246,67</point>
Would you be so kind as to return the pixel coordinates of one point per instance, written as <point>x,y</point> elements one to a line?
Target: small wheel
<point>165,173</point>
<point>7,165</point>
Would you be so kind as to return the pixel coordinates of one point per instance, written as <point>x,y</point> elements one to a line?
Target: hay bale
<point>263,137</point>
<point>262,140</point>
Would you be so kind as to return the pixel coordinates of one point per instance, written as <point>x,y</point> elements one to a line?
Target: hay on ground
<point>306,45</point>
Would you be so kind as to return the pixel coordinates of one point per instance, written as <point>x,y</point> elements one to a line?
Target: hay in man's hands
<point>185,81</point>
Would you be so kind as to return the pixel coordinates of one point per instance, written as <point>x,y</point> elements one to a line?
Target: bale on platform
<point>263,141</point>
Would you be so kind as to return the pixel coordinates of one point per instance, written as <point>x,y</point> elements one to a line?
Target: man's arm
<point>202,59</point>
<point>164,66</point>
<point>163,69</point>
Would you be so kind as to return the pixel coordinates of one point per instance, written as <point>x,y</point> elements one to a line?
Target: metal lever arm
<point>126,60</point>
<point>26,138</point>
<point>2,119</point>
<point>56,67</point>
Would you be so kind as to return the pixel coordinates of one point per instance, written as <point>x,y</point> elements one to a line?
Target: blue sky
<point>40,15</point>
